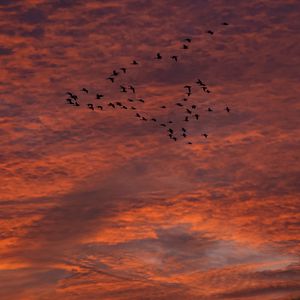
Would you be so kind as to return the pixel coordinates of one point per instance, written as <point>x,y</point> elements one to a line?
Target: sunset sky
<point>99,205</point>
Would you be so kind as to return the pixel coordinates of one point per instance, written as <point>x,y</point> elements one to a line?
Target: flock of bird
<point>190,111</point>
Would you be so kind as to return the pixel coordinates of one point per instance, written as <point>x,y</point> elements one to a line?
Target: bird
<point>99,96</point>
<point>174,57</point>
<point>158,56</point>
<point>189,93</point>
<point>100,107</point>
<point>132,107</point>
<point>188,40</point>
<point>123,89</point>
<point>186,119</point>
<point>209,109</point>
<point>190,143</point>
<point>185,46</point>
<point>204,88</point>
<point>197,116</point>
<point>184,99</point>
<point>205,135</point>
<point>188,87</point>
<point>163,125</point>
<point>134,62</point>
<point>207,91</point>
<point>76,104</point>
<point>171,130</point>
<point>174,138</point>
<point>170,122</point>
<point>179,104</point>
<point>123,69</point>
<point>227,108</point>
<point>111,79</point>
<point>163,106</point>
<point>84,90</point>
<point>70,94</point>
<point>124,107</point>
<point>224,23</point>
<point>170,135</point>
<point>194,106</point>
<point>132,88</point>
<point>153,119</point>
<point>119,103</point>
<point>188,111</point>
<point>184,135</point>
<point>144,119</point>
<point>74,97</point>
<point>183,129</point>
<point>130,100</point>
<point>114,73</point>
<point>210,32</point>
<point>138,115</point>
<point>91,106</point>
<point>112,105</point>
<point>200,82</point>
<point>141,100</point>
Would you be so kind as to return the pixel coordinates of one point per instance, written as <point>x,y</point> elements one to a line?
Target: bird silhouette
<point>188,40</point>
<point>224,23</point>
<point>130,100</point>
<point>119,103</point>
<point>141,100</point>
<point>115,73</point>
<point>112,105</point>
<point>197,116</point>
<point>179,104</point>
<point>184,135</point>
<point>163,106</point>
<point>158,56</point>
<point>134,62</point>
<point>132,107</point>
<point>99,96</point>
<point>171,130</point>
<point>174,57</point>
<point>174,138</point>
<point>84,90</point>
<point>194,106</point>
<point>205,135</point>
<point>183,129</point>
<point>163,125</point>
<point>91,106</point>
<point>200,82</point>
<point>138,115</point>
<point>111,79</point>
<point>132,88</point>
<point>144,119</point>
<point>76,104</point>
<point>153,119</point>
<point>170,122</point>
<point>100,107</point>
<point>209,109</point>
<point>186,119</point>
<point>210,32</point>
<point>184,46</point>
<point>190,143</point>
<point>227,108</point>
<point>123,89</point>
<point>123,69</point>
<point>70,94</point>
<point>184,99</point>
<point>124,107</point>
<point>188,111</point>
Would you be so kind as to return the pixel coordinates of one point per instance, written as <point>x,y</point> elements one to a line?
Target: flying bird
<point>210,32</point>
<point>153,119</point>
<point>124,107</point>
<point>123,89</point>
<point>193,106</point>
<point>184,135</point>
<point>227,108</point>
<point>224,23</point>
<point>183,129</point>
<point>200,82</point>
<point>130,100</point>
<point>188,40</point>
<point>185,46</point>
<point>123,69</point>
<point>132,88</point>
<point>112,105</point>
<point>76,104</point>
<point>134,62</point>
<point>99,96</point>
<point>179,104</point>
<point>91,106</point>
<point>144,119</point>
<point>184,99</point>
<point>111,79</point>
<point>186,119</point>
<point>100,107</point>
<point>209,109</point>
<point>132,107</point>
<point>115,73</point>
<point>137,115</point>
<point>84,90</point>
<point>197,116</point>
<point>163,106</point>
<point>141,100</point>
<point>188,111</point>
<point>174,57</point>
<point>119,103</point>
<point>171,130</point>
<point>190,143</point>
<point>69,101</point>
<point>158,56</point>
<point>205,135</point>
<point>163,125</point>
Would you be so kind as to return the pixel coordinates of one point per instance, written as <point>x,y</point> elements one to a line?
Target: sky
<point>101,205</point>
